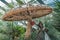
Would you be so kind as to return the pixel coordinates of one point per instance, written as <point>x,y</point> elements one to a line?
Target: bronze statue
<point>41,31</point>
<point>27,13</point>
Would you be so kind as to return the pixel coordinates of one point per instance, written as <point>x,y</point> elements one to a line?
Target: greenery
<point>9,29</point>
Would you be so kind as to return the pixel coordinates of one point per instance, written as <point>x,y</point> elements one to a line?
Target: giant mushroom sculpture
<point>27,13</point>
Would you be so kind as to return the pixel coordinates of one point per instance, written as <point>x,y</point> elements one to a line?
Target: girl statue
<point>42,31</point>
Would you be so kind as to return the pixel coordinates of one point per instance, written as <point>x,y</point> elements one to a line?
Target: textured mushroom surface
<point>26,12</point>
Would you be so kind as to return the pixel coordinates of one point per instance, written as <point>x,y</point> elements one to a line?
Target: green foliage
<point>57,15</point>
<point>20,29</point>
<point>57,6</point>
<point>19,2</point>
<point>40,1</point>
<point>51,22</point>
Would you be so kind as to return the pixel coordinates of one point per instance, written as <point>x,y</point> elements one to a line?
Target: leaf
<point>20,2</point>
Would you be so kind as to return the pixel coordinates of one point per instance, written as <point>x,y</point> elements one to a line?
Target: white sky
<point>2,4</point>
<point>8,1</point>
<point>48,1</point>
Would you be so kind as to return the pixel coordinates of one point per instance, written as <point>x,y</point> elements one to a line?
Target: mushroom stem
<point>28,29</point>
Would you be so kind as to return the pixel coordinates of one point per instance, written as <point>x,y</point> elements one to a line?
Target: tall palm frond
<point>2,8</point>
<point>9,5</point>
<point>19,2</point>
<point>40,1</point>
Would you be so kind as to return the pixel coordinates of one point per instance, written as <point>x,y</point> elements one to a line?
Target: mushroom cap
<point>24,13</point>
